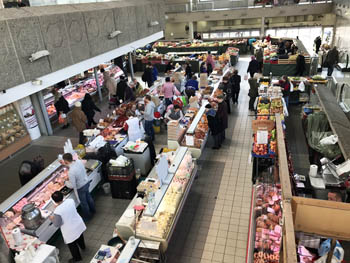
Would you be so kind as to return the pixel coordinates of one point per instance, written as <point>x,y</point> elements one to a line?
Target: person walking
<point>191,86</point>
<point>223,116</point>
<point>332,60</point>
<point>121,88</point>
<point>149,116</point>
<point>300,65</point>
<point>189,72</point>
<point>79,120</point>
<point>253,67</point>
<point>169,67</point>
<point>214,125</point>
<point>236,86</point>
<point>259,54</point>
<point>147,75</point>
<point>203,68</point>
<point>169,90</point>
<point>210,63</point>
<point>66,217</point>
<point>285,85</point>
<point>89,107</point>
<point>154,73</point>
<point>253,92</point>
<point>62,107</point>
<point>109,83</point>
<point>226,87</point>
<point>80,183</point>
<point>318,42</point>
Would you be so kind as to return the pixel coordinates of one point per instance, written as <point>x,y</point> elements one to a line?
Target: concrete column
<point>97,84</point>
<point>190,31</point>
<point>262,29</point>
<point>131,66</point>
<point>40,112</point>
<point>1,4</point>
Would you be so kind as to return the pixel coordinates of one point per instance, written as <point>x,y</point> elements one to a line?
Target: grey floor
<point>214,224</point>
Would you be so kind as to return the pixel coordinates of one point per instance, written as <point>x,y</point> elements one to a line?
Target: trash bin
<point>156,125</point>
<point>106,188</point>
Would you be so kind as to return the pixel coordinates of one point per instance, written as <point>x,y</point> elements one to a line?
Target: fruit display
<point>276,105</point>
<point>11,126</point>
<point>260,149</point>
<point>268,216</point>
<point>188,44</point>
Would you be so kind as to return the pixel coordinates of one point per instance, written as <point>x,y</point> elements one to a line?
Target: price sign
<point>262,137</point>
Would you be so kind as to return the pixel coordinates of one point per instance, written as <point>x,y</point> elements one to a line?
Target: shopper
<point>332,60</point>
<point>134,128</point>
<point>89,107</point>
<point>226,87</point>
<point>300,65</point>
<point>147,75</point>
<point>121,88</point>
<point>214,125</point>
<point>66,217</point>
<point>253,92</point>
<point>174,113</point>
<point>189,72</point>
<point>154,73</point>
<point>236,86</point>
<point>79,121</point>
<point>62,108</point>
<point>191,86</point>
<point>318,43</point>
<point>169,90</point>
<point>177,80</point>
<point>169,67</point>
<point>80,183</point>
<point>149,116</point>
<point>210,63</point>
<point>253,66</point>
<point>203,68</point>
<point>285,85</point>
<point>137,88</point>
<point>129,94</point>
<point>223,116</point>
<point>109,83</point>
<point>260,58</point>
<point>268,38</point>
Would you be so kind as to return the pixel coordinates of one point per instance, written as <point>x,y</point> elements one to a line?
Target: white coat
<point>73,225</point>
<point>135,129</point>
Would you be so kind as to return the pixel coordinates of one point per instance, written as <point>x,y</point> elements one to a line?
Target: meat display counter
<point>38,191</point>
<point>157,222</point>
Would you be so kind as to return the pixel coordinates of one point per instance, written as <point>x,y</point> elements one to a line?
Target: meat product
<point>9,214</point>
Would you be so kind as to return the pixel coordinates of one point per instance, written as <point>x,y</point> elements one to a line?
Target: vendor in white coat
<point>72,225</point>
<point>134,128</point>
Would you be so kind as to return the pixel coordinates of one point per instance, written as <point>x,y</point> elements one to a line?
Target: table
<point>114,253</point>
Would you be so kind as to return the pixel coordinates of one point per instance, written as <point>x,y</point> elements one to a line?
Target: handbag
<point>61,118</point>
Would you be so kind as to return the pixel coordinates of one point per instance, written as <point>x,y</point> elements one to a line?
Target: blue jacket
<point>155,73</point>
<point>192,83</point>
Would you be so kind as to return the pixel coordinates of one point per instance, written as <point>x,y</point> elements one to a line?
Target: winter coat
<point>189,72</point>
<point>129,94</point>
<point>213,122</point>
<point>253,90</point>
<point>332,57</point>
<point>236,81</point>
<point>78,119</point>
<point>227,88</point>
<point>121,87</point>
<point>147,75</point>
<point>62,105</point>
<point>89,108</point>
<point>109,83</point>
<point>223,115</point>
<point>253,66</point>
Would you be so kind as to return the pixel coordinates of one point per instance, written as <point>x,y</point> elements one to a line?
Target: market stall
<point>13,134</point>
<point>279,65</point>
<point>155,210</point>
<point>34,200</point>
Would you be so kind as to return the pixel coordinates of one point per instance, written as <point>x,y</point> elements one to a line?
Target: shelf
<point>14,147</point>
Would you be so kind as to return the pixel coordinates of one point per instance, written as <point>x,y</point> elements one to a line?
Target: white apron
<point>73,225</point>
<point>135,130</point>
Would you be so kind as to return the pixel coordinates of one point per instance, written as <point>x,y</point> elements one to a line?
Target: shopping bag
<point>291,87</point>
<point>61,118</point>
<point>246,77</point>
<point>301,86</point>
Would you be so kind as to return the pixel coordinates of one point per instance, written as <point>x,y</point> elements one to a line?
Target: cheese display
<point>11,126</point>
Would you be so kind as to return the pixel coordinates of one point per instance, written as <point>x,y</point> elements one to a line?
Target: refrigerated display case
<point>13,134</point>
<point>38,191</point>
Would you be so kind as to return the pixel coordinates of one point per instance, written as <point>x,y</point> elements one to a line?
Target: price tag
<point>189,140</point>
<point>262,137</point>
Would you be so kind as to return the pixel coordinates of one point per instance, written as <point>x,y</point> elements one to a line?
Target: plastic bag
<point>62,118</point>
<point>291,87</point>
<point>330,140</point>
<point>325,247</point>
<point>301,86</point>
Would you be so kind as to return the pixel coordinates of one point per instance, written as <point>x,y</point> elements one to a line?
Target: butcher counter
<point>39,191</point>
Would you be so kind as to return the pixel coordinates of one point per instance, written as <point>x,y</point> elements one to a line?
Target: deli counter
<point>38,191</point>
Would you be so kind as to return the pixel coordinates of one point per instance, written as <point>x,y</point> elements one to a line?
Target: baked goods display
<point>11,126</point>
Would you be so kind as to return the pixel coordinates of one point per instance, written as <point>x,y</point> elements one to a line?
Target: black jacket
<point>332,57</point>
<point>147,75</point>
<point>62,105</point>
<point>214,124</point>
<point>223,115</point>
<point>189,72</point>
<point>89,107</point>
<point>253,66</point>
<point>236,83</point>
<point>129,94</point>
<point>227,88</point>
<point>121,88</point>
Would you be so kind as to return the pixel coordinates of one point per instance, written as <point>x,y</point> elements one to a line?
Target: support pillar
<point>262,29</point>
<point>131,65</point>
<point>97,84</point>
<point>190,31</point>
